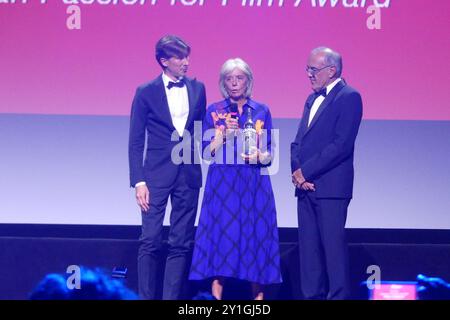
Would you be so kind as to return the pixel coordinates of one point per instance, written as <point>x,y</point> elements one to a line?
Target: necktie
<point>179,84</point>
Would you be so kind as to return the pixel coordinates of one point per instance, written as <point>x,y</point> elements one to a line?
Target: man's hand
<point>299,181</point>
<point>298,178</point>
<point>143,197</point>
<point>308,186</point>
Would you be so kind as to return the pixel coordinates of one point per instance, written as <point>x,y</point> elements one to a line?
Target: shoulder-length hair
<point>228,67</point>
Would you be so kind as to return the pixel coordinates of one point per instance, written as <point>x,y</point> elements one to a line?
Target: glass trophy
<point>249,135</point>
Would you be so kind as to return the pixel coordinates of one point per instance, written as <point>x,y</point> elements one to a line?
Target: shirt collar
<point>249,103</point>
<point>166,79</point>
<point>331,85</point>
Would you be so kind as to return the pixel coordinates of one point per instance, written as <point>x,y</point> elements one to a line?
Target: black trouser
<point>184,201</point>
<point>324,266</point>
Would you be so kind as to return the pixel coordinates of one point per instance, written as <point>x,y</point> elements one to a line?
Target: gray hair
<point>332,58</point>
<point>229,66</point>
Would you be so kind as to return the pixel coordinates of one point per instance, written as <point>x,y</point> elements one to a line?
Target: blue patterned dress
<point>237,234</point>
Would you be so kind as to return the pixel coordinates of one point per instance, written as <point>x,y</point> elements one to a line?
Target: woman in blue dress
<point>237,235</point>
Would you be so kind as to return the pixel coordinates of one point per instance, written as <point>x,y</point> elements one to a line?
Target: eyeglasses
<point>313,71</point>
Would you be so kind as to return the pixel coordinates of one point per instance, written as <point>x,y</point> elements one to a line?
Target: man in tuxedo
<point>322,172</point>
<point>164,111</point>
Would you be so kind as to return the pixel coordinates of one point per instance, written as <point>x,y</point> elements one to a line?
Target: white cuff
<point>140,183</point>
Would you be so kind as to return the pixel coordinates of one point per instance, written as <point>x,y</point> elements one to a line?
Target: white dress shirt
<point>178,104</point>
<point>319,101</point>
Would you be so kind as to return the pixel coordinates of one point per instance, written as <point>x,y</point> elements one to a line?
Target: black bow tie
<point>179,84</point>
<point>322,92</point>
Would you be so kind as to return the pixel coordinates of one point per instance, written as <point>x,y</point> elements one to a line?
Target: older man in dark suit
<point>322,172</point>
<point>164,111</point>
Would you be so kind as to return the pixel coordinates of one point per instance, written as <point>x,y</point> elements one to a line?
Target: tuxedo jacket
<point>150,115</point>
<point>324,149</point>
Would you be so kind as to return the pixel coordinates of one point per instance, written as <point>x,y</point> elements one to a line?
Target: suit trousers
<point>184,201</point>
<point>324,265</point>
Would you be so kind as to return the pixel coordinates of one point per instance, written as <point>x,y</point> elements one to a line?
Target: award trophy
<point>249,135</point>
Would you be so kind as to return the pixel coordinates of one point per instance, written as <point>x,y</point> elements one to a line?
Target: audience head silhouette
<point>94,285</point>
<point>431,288</point>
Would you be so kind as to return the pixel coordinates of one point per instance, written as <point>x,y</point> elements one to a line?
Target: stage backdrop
<point>69,70</point>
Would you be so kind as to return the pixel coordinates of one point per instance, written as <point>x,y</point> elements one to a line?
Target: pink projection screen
<point>397,56</point>
<point>69,70</point>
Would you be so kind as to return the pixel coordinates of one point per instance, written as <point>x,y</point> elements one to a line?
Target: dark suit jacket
<point>324,150</point>
<point>150,113</point>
